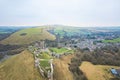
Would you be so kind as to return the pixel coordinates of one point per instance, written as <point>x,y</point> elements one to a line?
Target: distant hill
<point>70,31</point>
<point>19,67</point>
<point>9,29</point>
<point>27,36</point>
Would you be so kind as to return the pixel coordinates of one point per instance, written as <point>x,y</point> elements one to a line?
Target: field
<point>112,41</point>
<point>97,72</point>
<point>45,62</point>
<point>19,67</point>
<point>44,55</point>
<point>61,50</point>
<point>27,36</point>
<point>69,31</point>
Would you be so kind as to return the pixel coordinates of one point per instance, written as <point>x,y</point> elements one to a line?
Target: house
<point>115,72</point>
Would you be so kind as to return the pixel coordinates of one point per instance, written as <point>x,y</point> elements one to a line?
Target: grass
<point>65,31</point>
<point>44,63</point>
<point>69,31</point>
<point>61,70</point>
<point>97,72</point>
<point>44,55</point>
<point>112,41</point>
<point>19,67</point>
<point>61,50</point>
<point>70,51</point>
<point>31,35</point>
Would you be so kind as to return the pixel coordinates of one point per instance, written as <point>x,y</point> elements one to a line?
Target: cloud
<point>66,12</point>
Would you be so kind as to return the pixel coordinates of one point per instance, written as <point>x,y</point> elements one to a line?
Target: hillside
<point>69,31</point>
<point>61,70</point>
<point>19,67</point>
<point>97,72</point>
<point>27,36</point>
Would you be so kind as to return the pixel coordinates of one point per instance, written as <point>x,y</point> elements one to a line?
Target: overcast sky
<point>65,12</point>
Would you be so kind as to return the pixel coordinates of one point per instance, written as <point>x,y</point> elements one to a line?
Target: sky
<point>82,13</point>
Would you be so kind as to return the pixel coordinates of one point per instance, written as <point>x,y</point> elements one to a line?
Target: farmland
<point>69,31</point>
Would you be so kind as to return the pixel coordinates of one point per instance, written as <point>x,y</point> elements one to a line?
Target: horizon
<point>56,25</point>
<point>84,13</point>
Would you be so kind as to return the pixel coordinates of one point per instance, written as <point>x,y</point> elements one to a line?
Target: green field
<point>112,41</point>
<point>44,55</point>
<point>27,36</point>
<point>69,31</point>
<point>45,63</point>
<point>61,50</point>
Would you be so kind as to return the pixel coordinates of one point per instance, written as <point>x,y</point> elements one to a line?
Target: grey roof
<point>114,71</point>
<point>118,71</point>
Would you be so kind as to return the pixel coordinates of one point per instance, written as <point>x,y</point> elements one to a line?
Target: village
<point>45,52</point>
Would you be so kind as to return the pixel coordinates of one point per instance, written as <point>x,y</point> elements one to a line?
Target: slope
<point>97,72</point>
<point>61,70</point>
<point>19,67</point>
<point>27,36</point>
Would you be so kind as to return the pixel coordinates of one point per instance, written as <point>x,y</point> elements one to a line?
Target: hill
<point>97,72</point>
<point>19,67</point>
<point>61,70</point>
<point>27,36</point>
<point>68,31</point>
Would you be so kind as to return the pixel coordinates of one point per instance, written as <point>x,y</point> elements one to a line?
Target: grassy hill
<point>27,36</point>
<point>97,72</point>
<point>19,67</point>
<point>61,70</point>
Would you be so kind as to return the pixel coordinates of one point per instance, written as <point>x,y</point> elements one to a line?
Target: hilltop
<point>27,36</point>
<point>19,67</point>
